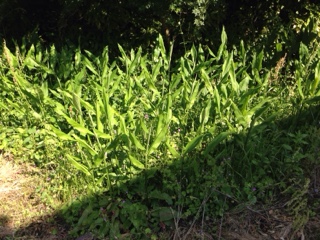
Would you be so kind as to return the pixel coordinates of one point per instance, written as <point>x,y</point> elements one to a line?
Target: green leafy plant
<point>134,139</point>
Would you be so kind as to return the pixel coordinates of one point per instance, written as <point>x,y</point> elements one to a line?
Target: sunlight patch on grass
<point>20,201</point>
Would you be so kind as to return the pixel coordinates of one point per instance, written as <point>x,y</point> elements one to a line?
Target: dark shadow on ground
<point>149,203</point>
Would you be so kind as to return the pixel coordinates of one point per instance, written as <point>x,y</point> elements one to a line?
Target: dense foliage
<point>140,141</point>
<point>96,23</point>
<point>138,136</point>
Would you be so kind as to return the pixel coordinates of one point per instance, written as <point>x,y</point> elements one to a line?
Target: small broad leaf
<point>156,194</point>
<point>166,214</point>
<point>97,161</point>
<point>287,147</point>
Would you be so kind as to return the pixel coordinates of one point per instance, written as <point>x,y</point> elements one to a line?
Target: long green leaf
<point>240,117</point>
<point>194,96</point>
<point>217,100</point>
<point>207,82</point>
<point>98,115</point>
<point>205,113</point>
<point>160,124</point>
<point>135,162</point>
<point>160,137</point>
<point>172,150</point>
<point>61,135</point>
<point>222,45</point>
<point>233,80</point>
<point>134,63</point>
<point>192,144</point>
<point>82,129</point>
<point>316,80</point>
<point>90,66</point>
<point>211,145</point>
<point>101,134</point>
<point>85,145</point>
<point>135,141</point>
<point>76,163</point>
<point>227,65</point>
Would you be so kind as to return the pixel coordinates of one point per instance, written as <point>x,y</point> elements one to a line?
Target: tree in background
<point>97,23</point>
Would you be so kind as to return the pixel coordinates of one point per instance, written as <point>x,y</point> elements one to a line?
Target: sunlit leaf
<point>76,163</point>
<point>192,144</point>
<point>135,162</point>
<point>61,135</point>
<point>135,141</point>
<point>159,138</point>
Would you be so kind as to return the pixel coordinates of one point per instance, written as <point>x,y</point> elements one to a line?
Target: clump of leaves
<point>137,137</point>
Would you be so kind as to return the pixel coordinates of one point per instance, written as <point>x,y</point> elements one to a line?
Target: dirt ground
<point>24,214</point>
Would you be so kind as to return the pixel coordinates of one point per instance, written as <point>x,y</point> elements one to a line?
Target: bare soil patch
<point>23,213</point>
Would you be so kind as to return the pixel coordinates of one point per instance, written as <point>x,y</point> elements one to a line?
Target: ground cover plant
<point>146,147</point>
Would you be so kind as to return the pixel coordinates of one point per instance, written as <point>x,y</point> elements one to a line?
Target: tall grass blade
<point>233,80</point>
<point>206,79</point>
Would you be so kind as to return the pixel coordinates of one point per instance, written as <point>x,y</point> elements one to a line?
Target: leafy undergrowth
<point>150,148</point>
<point>26,213</point>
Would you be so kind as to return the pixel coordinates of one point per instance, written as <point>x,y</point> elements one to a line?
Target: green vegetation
<point>143,143</point>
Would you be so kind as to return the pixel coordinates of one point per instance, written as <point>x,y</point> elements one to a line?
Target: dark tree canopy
<point>133,23</point>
